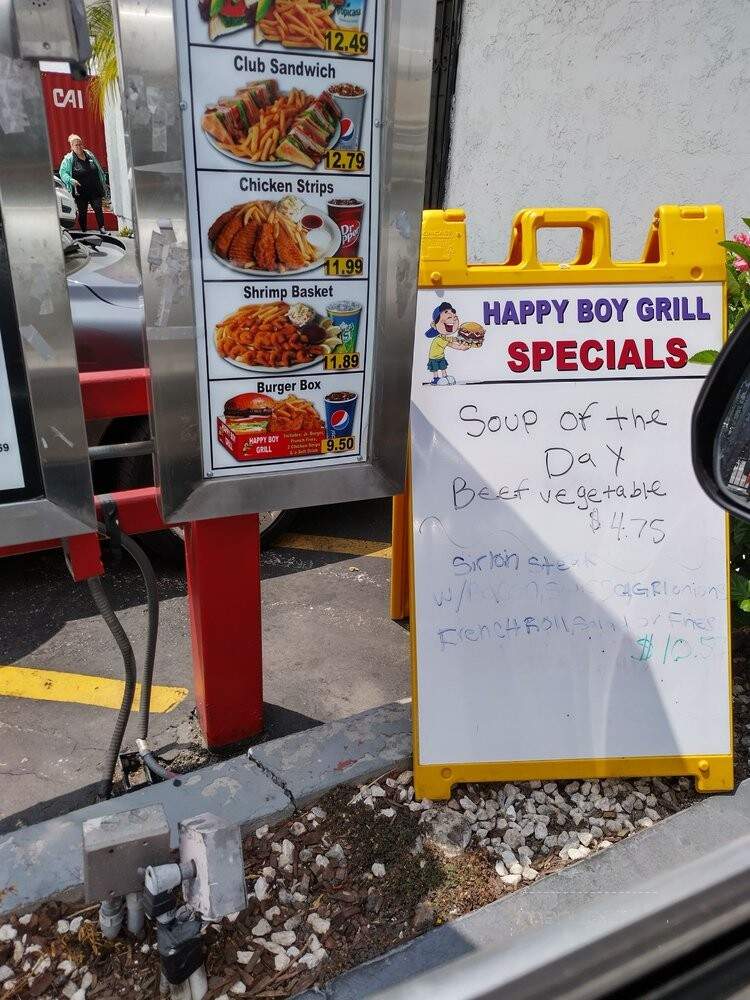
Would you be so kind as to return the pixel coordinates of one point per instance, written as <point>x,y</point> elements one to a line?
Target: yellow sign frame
<point>682,246</point>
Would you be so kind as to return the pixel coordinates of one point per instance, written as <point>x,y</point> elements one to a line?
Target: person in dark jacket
<point>83,176</point>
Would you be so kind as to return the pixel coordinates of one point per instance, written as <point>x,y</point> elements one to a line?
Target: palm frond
<point>103,62</point>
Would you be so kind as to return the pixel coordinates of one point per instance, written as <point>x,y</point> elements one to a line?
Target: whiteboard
<point>570,576</point>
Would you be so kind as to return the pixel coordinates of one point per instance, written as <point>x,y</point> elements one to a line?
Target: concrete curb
<point>620,873</point>
<point>45,860</point>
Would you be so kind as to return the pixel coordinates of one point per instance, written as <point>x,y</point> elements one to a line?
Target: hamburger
<point>471,334</point>
<point>250,411</point>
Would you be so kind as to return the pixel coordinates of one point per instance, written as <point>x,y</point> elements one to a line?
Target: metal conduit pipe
<point>128,449</point>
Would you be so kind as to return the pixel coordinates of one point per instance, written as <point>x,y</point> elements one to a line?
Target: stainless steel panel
<point>32,231</point>
<point>154,127</point>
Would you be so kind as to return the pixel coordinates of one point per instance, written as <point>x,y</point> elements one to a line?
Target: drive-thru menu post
<point>291,249</point>
<point>570,603</point>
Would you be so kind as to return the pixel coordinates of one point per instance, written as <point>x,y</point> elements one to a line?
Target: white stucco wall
<point>625,104</point>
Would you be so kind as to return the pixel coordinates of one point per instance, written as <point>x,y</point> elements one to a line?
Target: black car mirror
<point>721,426</point>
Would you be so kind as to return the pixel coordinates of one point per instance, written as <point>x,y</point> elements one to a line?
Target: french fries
<point>299,24</point>
<point>259,146</point>
<point>263,336</point>
<point>294,414</point>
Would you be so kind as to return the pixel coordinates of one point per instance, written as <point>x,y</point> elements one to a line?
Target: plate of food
<point>273,237</point>
<point>261,125</point>
<point>275,335</point>
<point>293,24</point>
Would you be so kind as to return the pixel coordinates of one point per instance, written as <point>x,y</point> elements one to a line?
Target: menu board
<point>570,574</point>
<point>11,469</point>
<point>281,121</point>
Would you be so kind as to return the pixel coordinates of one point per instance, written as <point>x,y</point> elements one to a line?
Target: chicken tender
<point>265,249</point>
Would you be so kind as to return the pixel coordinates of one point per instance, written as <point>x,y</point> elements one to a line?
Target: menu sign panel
<point>11,469</point>
<point>282,104</point>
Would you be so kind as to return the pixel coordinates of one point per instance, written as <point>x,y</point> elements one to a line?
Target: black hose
<point>152,602</point>
<point>113,624</point>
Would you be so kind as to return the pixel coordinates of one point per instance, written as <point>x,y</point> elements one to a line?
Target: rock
<point>271,912</point>
<point>313,944</point>
<point>500,868</point>
<point>378,870</point>
<point>261,889</point>
<point>321,862</point>
<point>5,973</point>
<point>297,829</point>
<point>388,813</point>
<point>79,995</point>
<point>26,919</point>
<point>336,854</point>
<point>529,874</point>
<point>8,933</point>
<point>239,989</point>
<point>66,967</point>
<point>145,949</point>
<point>284,938</point>
<point>293,952</point>
<point>293,922</point>
<point>262,928</point>
<point>261,832</point>
<point>244,957</point>
<point>319,924</point>
<point>281,963</point>
<point>377,792</point>
<point>585,838</point>
<point>449,831</point>
<point>513,838</point>
<point>510,879</point>
<point>86,981</point>
<point>69,991</point>
<point>404,778</point>
<point>270,946</point>
<point>75,924</point>
<point>312,960</point>
<point>424,916</point>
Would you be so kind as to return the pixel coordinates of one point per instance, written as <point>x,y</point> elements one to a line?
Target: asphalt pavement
<point>329,650</point>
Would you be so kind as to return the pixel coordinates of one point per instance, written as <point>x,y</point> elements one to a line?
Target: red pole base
<point>222,557</point>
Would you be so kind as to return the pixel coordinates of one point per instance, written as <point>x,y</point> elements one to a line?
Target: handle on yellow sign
<point>595,247</point>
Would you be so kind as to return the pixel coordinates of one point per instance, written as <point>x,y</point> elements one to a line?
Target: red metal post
<point>84,556</point>
<point>223,576</point>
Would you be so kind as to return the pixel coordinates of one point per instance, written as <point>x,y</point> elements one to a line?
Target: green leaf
<point>732,283</point>
<point>264,9</point>
<point>215,8</point>
<point>739,588</point>
<point>706,357</point>
<point>737,248</point>
<point>747,222</point>
<point>744,605</point>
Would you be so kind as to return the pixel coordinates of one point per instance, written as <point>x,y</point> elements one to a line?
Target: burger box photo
<point>242,430</point>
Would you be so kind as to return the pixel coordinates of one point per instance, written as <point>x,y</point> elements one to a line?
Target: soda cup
<point>347,214</point>
<point>340,410</point>
<point>351,101</point>
<point>345,318</point>
<point>351,14</point>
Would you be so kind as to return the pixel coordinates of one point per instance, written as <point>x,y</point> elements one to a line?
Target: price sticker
<point>345,267</point>
<point>347,41</point>
<point>341,362</point>
<point>337,446</point>
<point>349,160</point>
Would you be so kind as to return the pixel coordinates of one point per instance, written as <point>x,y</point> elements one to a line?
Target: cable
<point>113,624</point>
<point>152,602</point>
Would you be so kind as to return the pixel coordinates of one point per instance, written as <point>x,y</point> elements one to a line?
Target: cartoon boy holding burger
<point>447,331</point>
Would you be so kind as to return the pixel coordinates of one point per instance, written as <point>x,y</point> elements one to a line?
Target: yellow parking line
<point>81,689</point>
<point>327,543</point>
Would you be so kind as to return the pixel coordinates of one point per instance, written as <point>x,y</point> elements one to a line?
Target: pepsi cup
<point>351,101</point>
<point>340,410</point>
